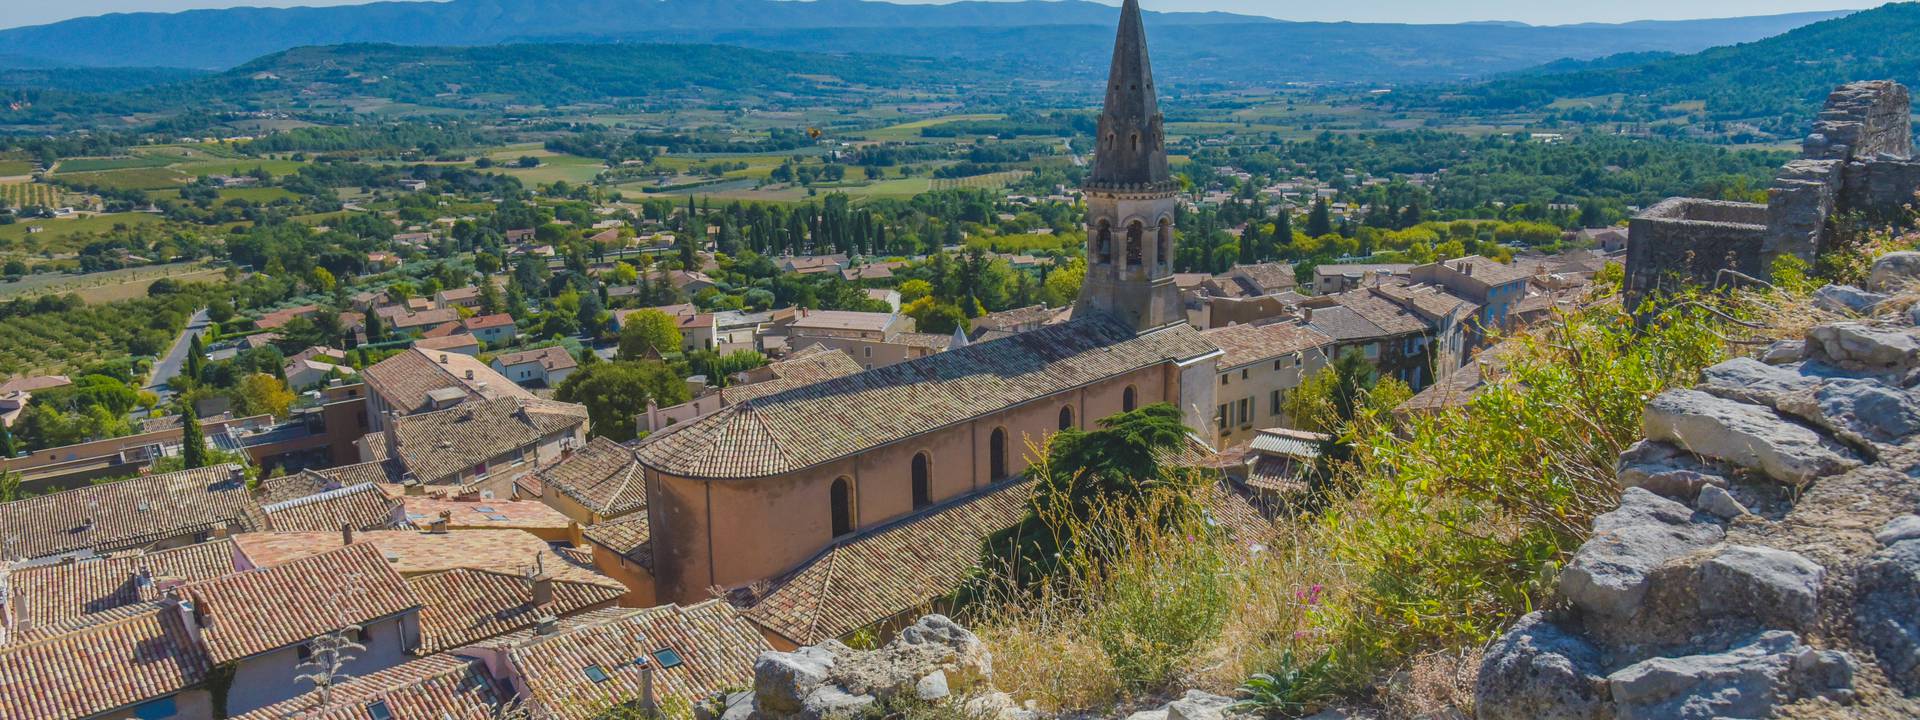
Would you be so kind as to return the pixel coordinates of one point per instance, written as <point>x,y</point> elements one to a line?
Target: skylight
<point>595,673</point>
<point>668,657</point>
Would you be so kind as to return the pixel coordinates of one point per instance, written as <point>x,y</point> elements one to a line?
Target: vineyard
<point>989,180</point>
<point>29,194</point>
<point>71,337</point>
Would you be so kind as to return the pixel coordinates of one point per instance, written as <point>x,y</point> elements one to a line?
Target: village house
<point>466,297</point>
<point>812,364</point>
<point>542,367</point>
<point>462,343</point>
<point>417,380</point>
<point>435,686</point>
<point>1493,285</point>
<point>1330,279</point>
<point>871,339</point>
<point>478,445</point>
<point>148,512</point>
<point>494,330</point>
<point>1261,366</point>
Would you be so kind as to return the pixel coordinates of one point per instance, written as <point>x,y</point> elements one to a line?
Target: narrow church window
<point>1162,241</point>
<point>997,454</point>
<point>1104,244</point>
<point>922,482</point>
<point>1135,139</point>
<point>842,507</point>
<point>1134,231</point>
<point>1127,400</point>
<point>1066,417</point>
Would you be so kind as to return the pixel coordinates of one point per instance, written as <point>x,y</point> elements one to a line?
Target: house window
<point>922,481</point>
<point>1128,399</point>
<point>868,351</point>
<point>1220,418</point>
<point>1373,351</point>
<point>1243,373</point>
<point>377,710</point>
<point>480,471</point>
<point>1223,378</point>
<point>1276,403</point>
<point>162,709</point>
<point>1276,365</point>
<point>1245,407</point>
<point>997,454</point>
<point>1066,416</point>
<point>842,499</point>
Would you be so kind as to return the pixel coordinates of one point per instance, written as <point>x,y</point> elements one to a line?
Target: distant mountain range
<point>1059,39</point>
<point>1775,84</point>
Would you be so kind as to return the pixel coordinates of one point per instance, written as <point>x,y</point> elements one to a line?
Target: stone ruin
<point>1859,158</point>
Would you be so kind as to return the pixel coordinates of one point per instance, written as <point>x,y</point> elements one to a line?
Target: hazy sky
<point>1542,12</point>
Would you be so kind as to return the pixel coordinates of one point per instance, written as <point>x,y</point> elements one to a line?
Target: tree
<point>321,279</point>
<point>1086,473</point>
<point>1062,286</point>
<point>616,392</point>
<point>932,316</point>
<point>196,359</point>
<point>1320,219</point>
<point>625,274</point>
<point>193,442</point>
<point>376,328</point>
<point>648,330</point>
<point>6,442</point>
<point>591,314</point>
<point>262,394</point>
<point>1250,243</point>
<point>915,289</point>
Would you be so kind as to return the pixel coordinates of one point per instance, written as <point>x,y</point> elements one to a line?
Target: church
<point>760,488</point>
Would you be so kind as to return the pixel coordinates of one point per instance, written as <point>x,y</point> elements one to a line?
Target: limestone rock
<point>1199,705</point>
<point>1749,436</point>
<point>1537,671</point>
<point>1716,501</point>
<point>1783,352</point>
<point>829,701</point>
<point>738,706</point>
<point>932,687</point>
<point>1858,346</point>
<point>1886,612</point>
<point>1894,271</point>
<point>1664,470</point>
<point>1751,381</point>
<point>1610,574</point>
<point>1905,527</point>
<point>1749,681</point>
<point>1861,411</point>
<point>1774,586</point>
<point>782,681</point>
<point>1846,300</point>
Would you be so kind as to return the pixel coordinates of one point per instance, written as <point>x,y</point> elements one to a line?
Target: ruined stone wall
<point>1687,240</point>
<point>1864,121</point>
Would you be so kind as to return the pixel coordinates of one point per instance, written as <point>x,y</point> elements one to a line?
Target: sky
<point>15,13</point>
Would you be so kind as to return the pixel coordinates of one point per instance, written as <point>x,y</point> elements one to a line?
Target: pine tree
<point>193,443</point>
<point>1320,220</point>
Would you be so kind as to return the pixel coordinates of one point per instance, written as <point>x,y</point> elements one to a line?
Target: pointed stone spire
<point>1131,151</point>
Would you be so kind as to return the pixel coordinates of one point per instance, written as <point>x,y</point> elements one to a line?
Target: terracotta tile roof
<point>630,537</point>
<point>1430,301</point>
<point>30,383</point>
<point>144,655</point>
<point>450,343</point>
<point>844,320</point>
<point>129,513</point>
<point>1343,324</point>
<point>1487,270</point>
<point>435,446</point>
<point>881,573</point>
<point>825,421</point>
<point>815,363</point>
<point>465,605</point>
<point>488,321</point>
<point>1391,318</point>
<point>1254,343</point>
<point>259,610</point>
<point>715,644</point>
<point>377,472</point>
<point>467,513</point>
<point>1277,474</point>
<point>1458,388</point>
<point>53,593</point>
<point>551,358</point>
<point>934,341</point>
<point>434,687</point>
<point>406,378</point>
<point>411,552</point>
<point>1014,319</point>
<point>604,477</point>
<point>278,318</point>
<point>362,506</point>
<point>293,487</point>
<point>1266,278</point>
<point>1230,510</point>
<point>426,318</point>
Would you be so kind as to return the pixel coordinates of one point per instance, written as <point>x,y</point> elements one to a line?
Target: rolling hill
<point>1052,36</point>
<point>1775,84</point>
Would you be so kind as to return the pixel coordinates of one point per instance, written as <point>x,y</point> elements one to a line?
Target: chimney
<point>439,522</point>
<point>542,583</point>
<point>469,374</point>
<point>413,487</point>
<point>546,625</point>
<point>392,437</point>
<point>443,358</point>
<point>346,534</point>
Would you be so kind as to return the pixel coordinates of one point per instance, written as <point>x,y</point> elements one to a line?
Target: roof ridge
<point>152,606</point>
<point>320,497</point>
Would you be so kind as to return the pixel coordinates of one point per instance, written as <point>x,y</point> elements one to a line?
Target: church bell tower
<point>1130,195</point>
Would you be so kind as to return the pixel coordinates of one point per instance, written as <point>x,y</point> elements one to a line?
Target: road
<point>177,356</point>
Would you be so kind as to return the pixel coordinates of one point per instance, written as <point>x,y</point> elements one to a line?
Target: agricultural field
<point>98,164</point>
<point>137,178</point>
<point>69,339</point>
<point>553,167</point>
<point>911,130</point>
<point>16,168</point>
<point>108,286</point>
<point>29,194</point>
<point>58,234</point>
<point>256,194</point>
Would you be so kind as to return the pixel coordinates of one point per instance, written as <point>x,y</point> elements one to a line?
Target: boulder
<point>1749,681</point>
<point>1745,435</point>
<point>1537,671</point>
<point>1884,613</point>
<point>782,681</point>
<point>1863,347</point>
<point>1905,527</point>
<point>932,687</point>
<point>1777,587</point>
<point>830,701</point>
<point>1894,271</point>
<point>1199,705</point>
<point>1751,381</point>
<point>1610,574</point>
<point>1846,300</point>
<point>1664,470</point>
<point>1716,501</point>
<point>1860,411</point>
<point>1783,352</point>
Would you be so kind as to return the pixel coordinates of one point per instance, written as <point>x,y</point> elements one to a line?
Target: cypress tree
<point>1320,220</point>
<point>196,358</point>
<point>193,443</point>
<point>1282,234</point>
<point>1250,243</point>
<point>6,442</point>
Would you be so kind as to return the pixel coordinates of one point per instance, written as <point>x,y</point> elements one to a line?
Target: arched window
<point>1066,416</point>
<point>842,506</point>
<point>1134,231</point>
<point>922,481</point>
<point>1129,399</point>
<point>1135,139</point>
<point>997,454</point>
<point>1162,242</point>
<point>1103,242</point>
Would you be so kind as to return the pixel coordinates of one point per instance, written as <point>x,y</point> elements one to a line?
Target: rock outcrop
<point>934,660</point>
<point>1765,557</point>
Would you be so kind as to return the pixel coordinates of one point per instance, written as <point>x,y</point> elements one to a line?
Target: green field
<point>25,194</point>
<point>108,286</point>
<point>145,178</point>
<point>12,168</point>
<point>58,233</point>
<point>87,165</point>
<point>553,167</point>
<point>911,130</point>
<point>256,194</point>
